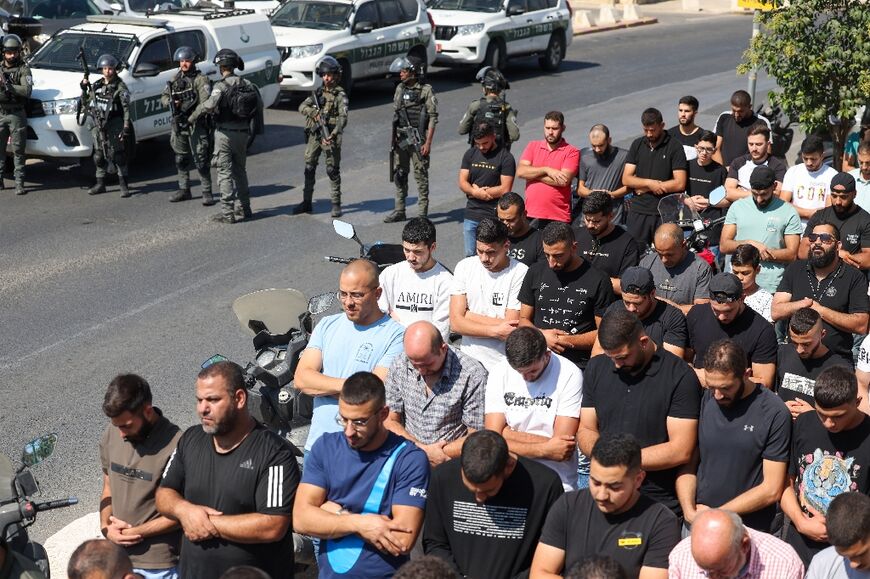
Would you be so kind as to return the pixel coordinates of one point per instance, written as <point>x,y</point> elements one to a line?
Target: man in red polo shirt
<point>548,167</point>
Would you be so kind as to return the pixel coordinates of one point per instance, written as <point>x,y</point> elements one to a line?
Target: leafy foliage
<point>819,53</point>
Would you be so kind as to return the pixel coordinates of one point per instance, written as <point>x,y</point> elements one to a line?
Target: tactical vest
<point>105,98</point>
<point>493,112</point>
<point>13,76</point>
<point>184,90</point>
<point>413,102</point>
<point>328,102</point>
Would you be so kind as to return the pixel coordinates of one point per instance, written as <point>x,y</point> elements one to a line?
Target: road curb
<point>616,26</point>
<point>61,545</point>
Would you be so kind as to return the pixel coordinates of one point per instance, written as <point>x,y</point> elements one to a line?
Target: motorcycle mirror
<point>38,449</point>
<point>717,195</point>
<point>321,302</point>
<point>213,360</point>
<point>343,228</point>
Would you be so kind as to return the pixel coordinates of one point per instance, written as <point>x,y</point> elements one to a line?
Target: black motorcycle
<point>383,254</point>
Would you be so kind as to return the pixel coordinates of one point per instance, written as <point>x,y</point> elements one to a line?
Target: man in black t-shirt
<point>611,518</point>
<point>565,297</point>
<point>526,246</point>
<point>643,390</point>
<point>231,484</point>
<point>852,221</point>
<point>799,362</point>
<point>686,131</point>
<point>726,316</point>
<point>738,184</point>
<point>663,323</point>
<point>744,437</point>
<point>485,511</point>
<point>487,172</point>
<point>732,128</point>
<point>705,175</point>
<point>830,455</point>
<point>829,285</point>
<point>655,167</point>
<point>602,243</point>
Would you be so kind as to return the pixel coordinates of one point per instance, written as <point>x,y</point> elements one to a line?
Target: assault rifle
<point>6,85</point>
<point>321,124</point>
<point>411,133</point>
<point>178,118</point>
<point>97,114</point>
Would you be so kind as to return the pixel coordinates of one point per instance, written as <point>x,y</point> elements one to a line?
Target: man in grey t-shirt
<point>601,166</point>
<point>681,278</point>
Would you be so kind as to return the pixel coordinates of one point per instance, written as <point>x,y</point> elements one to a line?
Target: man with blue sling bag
<point>363,491</point>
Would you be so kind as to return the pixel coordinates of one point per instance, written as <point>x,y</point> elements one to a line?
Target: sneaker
<point>395,217</point>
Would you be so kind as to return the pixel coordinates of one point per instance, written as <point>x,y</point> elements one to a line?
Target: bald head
<point>362,270</point>
<point>669,244</point>
<point>99,559</point>
<point>425,348</point>
<point>719,541</point>
<point>669,233</point>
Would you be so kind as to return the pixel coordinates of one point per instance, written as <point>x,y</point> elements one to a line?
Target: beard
<point>222,426</point>
<point>143,433</point>
<point>823,259</point>
<point>764,203</point>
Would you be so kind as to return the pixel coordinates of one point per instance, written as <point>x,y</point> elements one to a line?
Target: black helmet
<point>411,63</point>
<point>228,58</point>
<point>492,79</point>
<point>12,42</point>
<point>185,53</point>
<point>328,64</point>
<point>107,60</point>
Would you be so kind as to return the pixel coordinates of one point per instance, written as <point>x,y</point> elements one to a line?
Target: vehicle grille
<point>445,32</point>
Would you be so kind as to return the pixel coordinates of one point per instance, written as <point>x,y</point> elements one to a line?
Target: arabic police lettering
<point>511,399</point>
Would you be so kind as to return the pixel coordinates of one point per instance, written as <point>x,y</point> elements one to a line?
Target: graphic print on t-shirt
<point>364,353</point>
<point>560,310</point>
<point>512,399</point>
<point>796,383</point>
<point>414,302</point>
<point>824,476</point>
<point>495,521</point>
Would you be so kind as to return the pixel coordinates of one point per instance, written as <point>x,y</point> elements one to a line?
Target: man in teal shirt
<point>766,222</point>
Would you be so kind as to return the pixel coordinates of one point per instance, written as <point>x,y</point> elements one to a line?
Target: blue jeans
<point>171,573</point>
<point>469,230</point>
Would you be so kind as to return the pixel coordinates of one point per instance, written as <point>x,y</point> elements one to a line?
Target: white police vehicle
<point>365,36</point>
<point>145,47</point>
<point>488,32</point>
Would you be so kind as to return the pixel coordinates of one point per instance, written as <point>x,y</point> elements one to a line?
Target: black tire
<point>346,77</point>
<point>496,55</point>
<point>551,60</point>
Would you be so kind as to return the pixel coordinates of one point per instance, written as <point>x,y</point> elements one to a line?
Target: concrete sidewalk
<point>592,16</point>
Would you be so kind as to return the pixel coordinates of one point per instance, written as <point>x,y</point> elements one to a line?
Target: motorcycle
<point>17,507</point>
<point>383,254</point>
<point>675,209</point>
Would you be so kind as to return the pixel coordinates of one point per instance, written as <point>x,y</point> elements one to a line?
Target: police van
<point>365,36</point>
<point>488,32</point>
<point>145,47</point>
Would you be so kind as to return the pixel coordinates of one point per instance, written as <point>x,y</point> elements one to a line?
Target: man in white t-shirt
<point>807,186</point>
<point>418,289</point>
<point>533,400</point>
<point>484,307</point>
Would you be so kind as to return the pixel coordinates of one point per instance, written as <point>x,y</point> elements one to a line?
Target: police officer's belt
<point>245,130</point>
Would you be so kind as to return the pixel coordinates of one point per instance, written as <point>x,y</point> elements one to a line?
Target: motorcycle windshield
<point>278,309</point>
<point>673,209</point>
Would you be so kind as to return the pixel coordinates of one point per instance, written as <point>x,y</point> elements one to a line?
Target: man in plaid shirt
<point>435,393</point>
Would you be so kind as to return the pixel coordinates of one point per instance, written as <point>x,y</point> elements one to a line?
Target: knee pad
<point>332,172</point>
<point>309,170</point>
<point>401,176</point>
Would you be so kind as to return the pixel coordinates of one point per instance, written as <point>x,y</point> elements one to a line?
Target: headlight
<point>304,51</point>
<point>469,29</point>
<point>61,107</point>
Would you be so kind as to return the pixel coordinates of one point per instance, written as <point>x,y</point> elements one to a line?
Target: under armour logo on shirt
<point>749,427</point>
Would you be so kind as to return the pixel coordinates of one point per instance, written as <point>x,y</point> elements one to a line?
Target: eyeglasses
<point>353,296</point>
<point>723,298</point>
<point>825,238</point>
<point>357,423</point>
<point>704,149</point>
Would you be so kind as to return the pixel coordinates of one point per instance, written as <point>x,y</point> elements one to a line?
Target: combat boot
<point>19,188</point>
<point>423,209</point>
<point>395,217</point>
<point>181,195</point>
<point>207,199</point>
<point>304,207</point>
<point>246,212</point>
<point>122,183</point>
<point>2,185</point>
<point>223,218</point>
<point>99,187</point>
<point>336,210</point>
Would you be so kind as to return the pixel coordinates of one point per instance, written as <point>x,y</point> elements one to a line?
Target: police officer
<point>332,110</point>
<point>17,82</point>
<point>109,102</point>
<point>191,133</point>
<point>230,139</point>
<point>415,115</point>
<point>492,109</point>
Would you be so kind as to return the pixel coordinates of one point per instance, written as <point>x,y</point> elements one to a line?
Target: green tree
<point>818,51</point>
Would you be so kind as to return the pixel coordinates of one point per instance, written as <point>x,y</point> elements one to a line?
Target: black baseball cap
<point>727,285</point>
<point>762,177</point>
<point>844,181</point>
<point>637,280</point>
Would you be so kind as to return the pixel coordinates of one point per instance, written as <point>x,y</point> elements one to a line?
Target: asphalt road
<point>94,286</point>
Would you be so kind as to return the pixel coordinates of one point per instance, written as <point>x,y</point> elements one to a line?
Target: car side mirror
<point>515,10</point>
<point>362,27</point>
<point>146,69</point>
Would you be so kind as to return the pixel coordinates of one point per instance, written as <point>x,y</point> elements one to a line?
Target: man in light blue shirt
<point>766,222</point>
<point>848,526</point>
<point>362,339</point>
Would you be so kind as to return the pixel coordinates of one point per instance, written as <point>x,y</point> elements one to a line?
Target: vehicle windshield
<point>62,9</point>
<point>157,5</point>
<point>61,52</point>
<point>314,15</point>
<point>490,6</point>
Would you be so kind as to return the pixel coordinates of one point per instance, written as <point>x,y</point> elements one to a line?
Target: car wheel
<point>496,55</point>
<point>552,58</point>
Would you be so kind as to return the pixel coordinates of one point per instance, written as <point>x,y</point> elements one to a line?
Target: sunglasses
<point>825,238</point>
<point>723,298</point>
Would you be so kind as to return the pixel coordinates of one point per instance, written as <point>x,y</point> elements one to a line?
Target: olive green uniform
<point>422,107</point>
<point>16,88</point>
<point>230,148</point>
<point>498,113</point>
<point>333,111</point>
<point>191,133</point>
<point>111,101</point>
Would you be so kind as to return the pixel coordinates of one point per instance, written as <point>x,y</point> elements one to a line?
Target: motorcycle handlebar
<point>334,259</point>
<point>58,504</point>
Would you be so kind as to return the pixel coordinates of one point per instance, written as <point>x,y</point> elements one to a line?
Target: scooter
<point>674,209</point>
<point>17,507</point>
<point>383,254</point>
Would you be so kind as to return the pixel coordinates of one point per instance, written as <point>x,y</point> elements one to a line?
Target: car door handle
<point>529,21</point>
<point>381,37</point>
